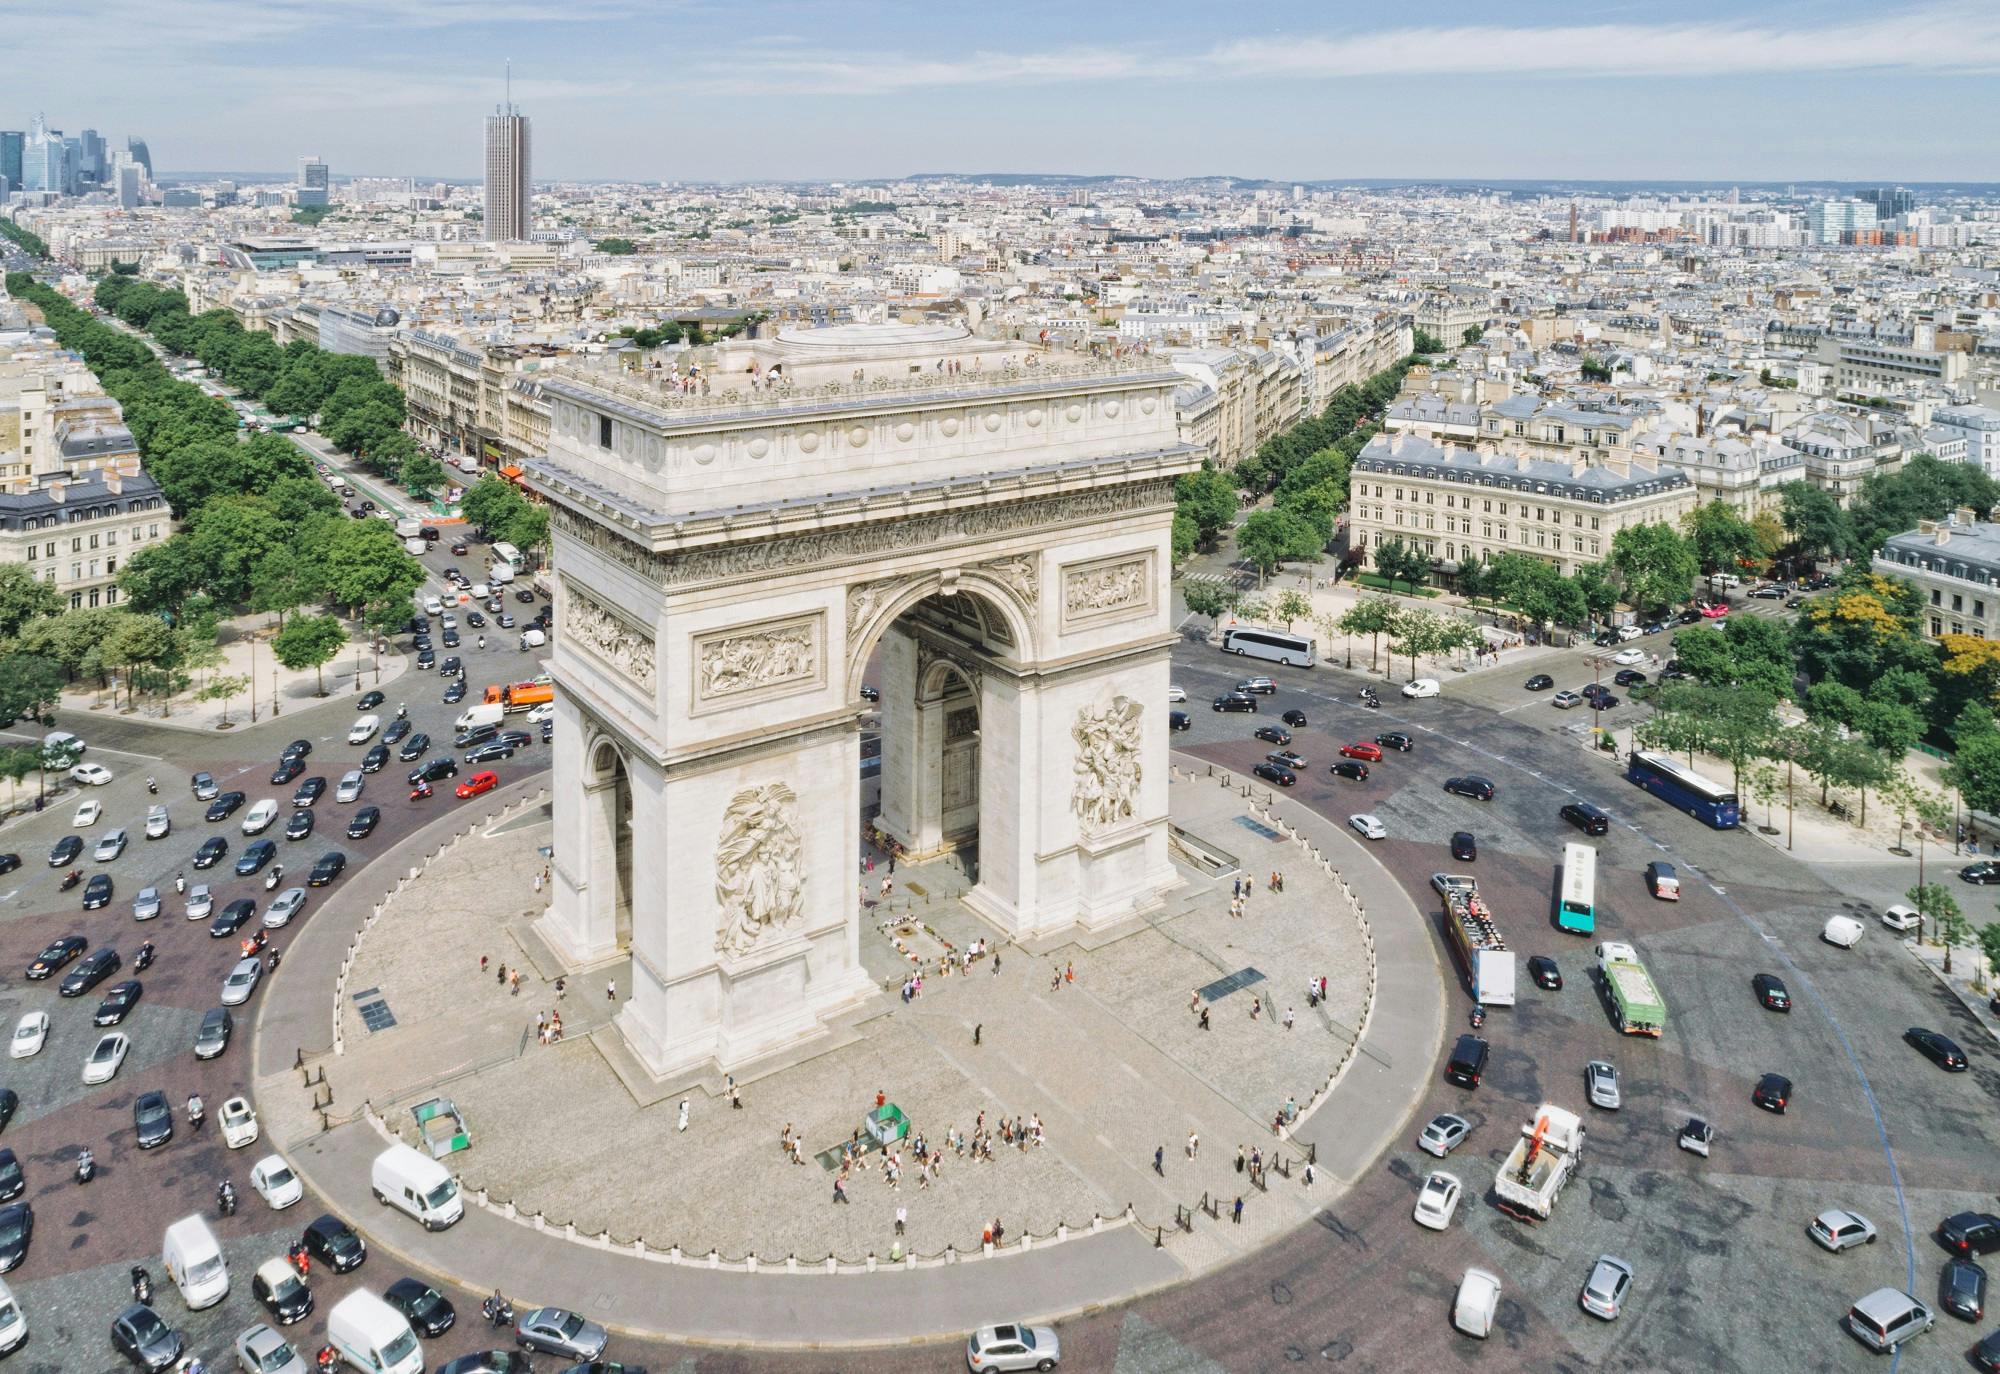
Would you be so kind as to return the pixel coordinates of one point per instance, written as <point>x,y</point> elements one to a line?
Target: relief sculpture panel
<point>611,638</point>
<point>1107,589</point>
<point>1105,786</point>
<point>752,662</point>
<point>759,868</point>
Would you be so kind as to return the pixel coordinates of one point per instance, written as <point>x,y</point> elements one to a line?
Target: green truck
<point>1635,999</point>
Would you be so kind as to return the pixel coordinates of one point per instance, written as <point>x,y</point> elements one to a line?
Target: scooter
<point>86,1166</point>
<point>497,1310</point>
<point>72,878</point>
<point>272,878</point>
<point>142,1285</point>
<point>420,791</point>
<point>1370,704</point>
<point>328,1360</point>
<point>1478,1015</point>
<point>152,787</point>
<point>180,883</point>
<point>144,958</point>
<point>225,1198</point>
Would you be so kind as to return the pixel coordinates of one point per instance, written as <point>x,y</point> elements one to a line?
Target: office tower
<point>140,154</point>
<point>128,185</point>
<point>311,187</point>
<point>91,166</point>
<point>45,161</point>
<point>1891,201</point>
<point>507,171</point>
<point>13,147</point>
<point>1829,219</point>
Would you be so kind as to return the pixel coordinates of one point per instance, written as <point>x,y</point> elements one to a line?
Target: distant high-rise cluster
<point>41,160</point>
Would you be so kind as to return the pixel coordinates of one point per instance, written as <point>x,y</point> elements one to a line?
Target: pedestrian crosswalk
<point>1241,580</point>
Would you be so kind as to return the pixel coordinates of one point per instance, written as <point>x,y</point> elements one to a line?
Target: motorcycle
<point>142,1285</point>
<point>497,1310</point>
<point>144,958</point>
<point>328,1360</point>
<point>1478,1015</point>
<point>402,713</point>
<point>72,878</point>
<point>86,1166</point>
<point>420,791</point>
<point>195,1113</point>
<point>180,883</point>
<point>1370,704</point>
<point>272,878</point>
<point>152,787</point>
<point>225,1198</point>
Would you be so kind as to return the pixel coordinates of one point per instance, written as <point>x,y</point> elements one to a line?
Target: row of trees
<point>1926,488</point>
<point>1411,632</point>
<point>30,243</point>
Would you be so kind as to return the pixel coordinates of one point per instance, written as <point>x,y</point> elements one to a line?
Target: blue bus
<point>1684,789</point>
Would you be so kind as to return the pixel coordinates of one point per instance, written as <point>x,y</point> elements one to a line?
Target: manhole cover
<point>1235,982</point>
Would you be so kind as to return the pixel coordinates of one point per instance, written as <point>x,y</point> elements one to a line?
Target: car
<point>1603,701</point>
<point>1444,1133</point>
<point>275,1182</point>
<point>1372,753</point>
<point>505,620</point>
<point>1838,1229</point>
<point>254,857</point>
<point>1368,827</point>
<point>212,1038</point>
<point>91,774</point>
<point>1540,682</point>
<point>309,791</point>
<point>200,902</point>
<point>287,769</point>
<point>478,785</point>
<point>477,620</point>
<point>143,1338</point>
<point>369,701</point>
<point>414,747</point>
<point>436,770</point>
<point>1262,686</point>
<point>1395,739</point>
<point>364,822</point>
<point>1769,594</point>
<point>1627,633</point>
<point>204,787</point>
<point>1476,1302</point>
<point>327,868</point>
<point>239,1123</point>
<point>146,905</point>
<point>1600,1084</point>
<point>1628,657</point>
<point>88,812</point>
<point>1271,734</point>
<point>242,981</point>
<point>1586,818</point>
<point>1604,1291</point>
<point>297,749</point>
<point>282,1293</point>
<point>1962,1290</point>
<point>158,823</point>
<point>1464,846</point>
<point>426,658</point>
<point>1773,1093</point>
<point>1940,1049</point>
<point>284,907</point>
<point>31,1032</point>
<point>1629,677</point>
<point>96,966</point>
<point>299,825</point>
<point>1348,768</point>
<point>1986,1355</point>
<point>1545,972</point>
<point>451,667</point>
<point>376,759</point>
<point>397,730</point>
<point>1663,880</point>
<point>58,953</point>
<point>65,851</point>
<point>223,807</point>
<point>537,714</point>
<point>1886,1318</point>
<point>106,1057</point>
<point>1792,603</point>
<point>350,786</point>
<point>549,730</point>
<point>1273,773</point>
<point>1696,1136</point>
<point>1294,718</point>
<point>334,1243</point>
<point>1771,991</point>
<point>97,892</point>
<point>13,1181</point>
<point>1285,758</point>
<point>1970,1233</point>
<point>1565,699</point>
<point>1235,701</point>
<point>1421,687</point>
<point>118,1002</point>
<point>152,1120</point>
<point>1478,788</point>
<point>451,641</point>
<point>1175,695</point>
<point>211,851</point>
<point>363,729</point>
<point>455,692</point>
<point>259,818</point>
<point>426,1309</point>
<point>1179,720</point>
<point>232,918</point>
<point>421,641</point>
<point>1654,627</point>
<point>1902,918</point>
<point>559,1331</point>
<point>478,734</point>
<point>1437,1200</point>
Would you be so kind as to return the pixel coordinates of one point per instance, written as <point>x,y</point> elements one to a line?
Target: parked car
<point>1464,846</point>
<point>1348,768</point>
<point>1610,1281</point>
<point>1962,1290</point>
<point>1012,1346</point>
<point>1970,1233</point>
<point>1273,773</point>
<point>1371,753</point>
<point>1395,739</point>
<point>1178,720</point>
<point>1940,1049</point>
<point>1771,991</point>
<point>559,1331</point>
<point>1565,699</point>
<point>1838,1229</point>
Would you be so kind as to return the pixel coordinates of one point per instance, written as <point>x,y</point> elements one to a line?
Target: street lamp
<point>274,692</point>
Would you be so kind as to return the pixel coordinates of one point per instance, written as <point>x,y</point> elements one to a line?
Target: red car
<point>477,783</point>
<point>1371,752</point>
<point>1715,612</point>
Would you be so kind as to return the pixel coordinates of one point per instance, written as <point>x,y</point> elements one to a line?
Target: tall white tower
<point>507,171</point>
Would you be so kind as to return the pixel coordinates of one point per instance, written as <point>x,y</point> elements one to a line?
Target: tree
<point>423,475</point>
<point>1400,562</point>
<point>1212,599</point>
<point>1989,944</point>
<point>492,501</point>
<point>1975,771</point>
<point>310,641</point>
<point>137,643</point>
<point>222,689</point>
<point>362,562</point>
<point>1749,651</point>
<point>158,578</point>
<point>1656,564</point>
<point>1473,334</point>
<point>23,598</point>
<point>1291,605</point>
<point>1599,597</point>
<point>1722,538</point>
<point>616,247</point>
<point>1419,631</point>
<point>1951,928</point>
<point>1371,616</point>
<point>1474,580</point>
<point>1931,900</point>
<point>30,687</point>
<point>1815,521</point>
<point>1273,537</point>
<point>1423,341</point>
<point>278,585</point>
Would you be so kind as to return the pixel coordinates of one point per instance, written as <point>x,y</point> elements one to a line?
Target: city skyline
<point>834,92</point>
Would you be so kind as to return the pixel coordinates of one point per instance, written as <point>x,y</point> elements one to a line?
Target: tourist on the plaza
<point>839,1191</point>
<point>902,1218</point>
<point>1193,1145</point>
<point>1239,1159</point>
<point>1236,1212</point>
<point>1288,1018</point>
<point>611,989</point>
<point>682,1124</point>
<point>1159,1160</point>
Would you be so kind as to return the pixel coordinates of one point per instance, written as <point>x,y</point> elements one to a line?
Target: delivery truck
<point>1548,1152</point>
<point>521,696</point>
<point>1635,1001</point>
<point>1473,936</point>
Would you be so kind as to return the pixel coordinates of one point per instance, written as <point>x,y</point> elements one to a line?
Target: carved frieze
<point>1107,589</point>
<point>753,662</point>
<point>1021,574</point>
<point>1105,787</point>
<point>759,868</point>
<point>959,724</point>
<point>609,636</point>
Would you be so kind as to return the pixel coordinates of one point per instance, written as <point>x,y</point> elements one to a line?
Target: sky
<point>745,90</point>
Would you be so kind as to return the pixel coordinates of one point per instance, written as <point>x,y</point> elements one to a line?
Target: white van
<point>371,1335</point>
<point>1842,931</point>
<point>259,817</point>
<point>13,1321</point>
<point>411,1181</point>
<point>433,606</point>
<point>409,529</point>
<point>499,574</point>
<point>194,1263</point>
<point>1478,1298</point>
<point>363,729</point>
<point>484,713</point>
<point>416,547</point>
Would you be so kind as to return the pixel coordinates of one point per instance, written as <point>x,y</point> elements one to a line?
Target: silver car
<point>200,902</point>
<point>158,824</point>
<point>559,1331</point>
<point>1443,1134</point>
<point>146,905</point>
<point>286,906</point>
<point>260,1350</point>
<point>242,981</point>
<point>1600,1080</point>
<point>1012,1347</point>
<point>1604,1291</point>
<point>349,788</point>
<point>111,846</point>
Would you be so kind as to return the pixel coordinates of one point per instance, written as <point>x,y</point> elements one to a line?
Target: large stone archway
<point>726,563</point>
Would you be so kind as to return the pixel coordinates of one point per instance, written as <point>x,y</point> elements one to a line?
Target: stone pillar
<point>902,756</point>
<point>1008,891</point>
<point>580,923</point>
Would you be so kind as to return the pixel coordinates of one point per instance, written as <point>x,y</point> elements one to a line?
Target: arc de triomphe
<point>995,519</point>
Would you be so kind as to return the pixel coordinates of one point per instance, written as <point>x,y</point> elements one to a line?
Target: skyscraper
<point>507,171</point>
<point>140,154</point>
<point>13,146</point>
<point>127,175</point>
<point>313,181</point>
<point>45,160</point>
<point>91,166</point>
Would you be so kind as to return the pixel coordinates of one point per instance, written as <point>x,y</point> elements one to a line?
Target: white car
<point>158,824</point>
<point>480,591</point>
<point>258,819</point>
<point>1838,1229</point>
<point>1478,1298</point>
<point>1625,658</point>
<point>433,606</point>
<point>283,907</point>
<point>31,1032</point>
<point>1443,1134</point>
<point>1600,1082</point>
<point>547,710</point>
<point>363,729</point>
<point>13,1321</point>
<point>1628,633</point>
<point>239,1123</point>
<point>276,1183</point>
<point>1175,696</point>
<point>241,982</point>
<point>200,902</point>
<point>107,1058</point>
<point>63,739</point>
<point>90,774</point>
<point>1421,687</point>
<point>87,813</point>
<point>1368,827</point>
<point>349,787</point>
<point>111,846</point>
<point>1438,1201</point>
<point>1901,917</point>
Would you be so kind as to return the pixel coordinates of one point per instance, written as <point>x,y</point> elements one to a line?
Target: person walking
<point>839,1189</point>
<point>1193,1145</point>
<point>482,965</point>
<point>902,1219</point>
<point>1160,1160</point>
<point>1236,1212</point>
<point>682,1124</point>
<point>611,989</point>
<point>1288,1018</point>
<point>502,975</point>
<point>1309,1174</point>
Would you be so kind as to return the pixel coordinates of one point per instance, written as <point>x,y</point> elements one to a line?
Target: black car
<point>1397,740</point>
<point>525,596</point>
<point>1543,970</point>
<point>520,739</point>
<point>142,1337</point>
<point>1603,701</point>
<point>422,1306</point>
<point>433,771</point>
<point>451,667</point>
<point>489,751</point>
<point>450,638</point>
<point>1771,991</point>
<point>211,852</point>
<point>1271,772</point>
<point>333,1243</point>
<point>369,701</point>
<point>223,807</point>
<point>1986,1355</point>
<point>427,658</point>
<point>548,731</point>
<point>9,862</point>
<point>495,1362</point>
<point>1178,720</point>
<point>297,749</point>
<point>1464,846</point>
<point>13,1182</point>
<point>397,729</point>
<point>118,1002</point>
<point>291,1301</point>
<point>59,953</point>
<point>364,822</point>
<point>475,619</point>
<point>254,857</point>
<point>310,791</point>
<point>1350,768</point>
<point>152,1120</point>
<point>97,965</point>
<point>1271,734</point>
<point>97,892</point>
<point>1689,616</point>
<point>1970,1233</point>
<point>456,692</point>
<point>1235,701</point>
<point>327,869</point>
<point>286,770</point>
<point>1586,818</point>
<point>1962,1290</point>
<point>478,734</point>
<point>10,1102</point>
<point>299,825</point>
<point>1773,1093</point>
<point>1479,789</point>
<point>232,918</point>
<point>376,759</point>
<point>17,1229</point>
<point>414,747</point>
<point>1294,718</point>
<point>1941,1050</point>
<point>212,1037</point>
<point>1627,677</point>
<point>1540,682</point>
<point>1986,872</point>
<point>66,851</point>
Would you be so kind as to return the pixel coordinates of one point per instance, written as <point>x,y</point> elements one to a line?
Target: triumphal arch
<point>985,523</point>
